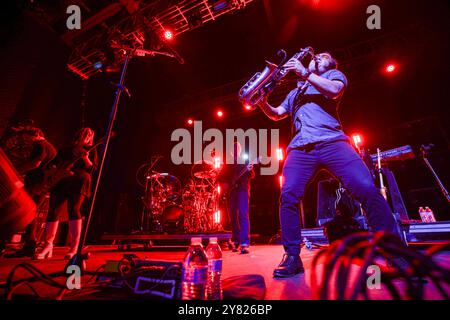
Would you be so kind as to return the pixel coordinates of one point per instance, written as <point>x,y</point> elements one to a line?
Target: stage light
<point>281,181</point>
<point>218,5</point>
<point>219,190</point>
<point>217,163</point>
<point>390,68</point>
<point>220,113</point>
<point>245,156</point>
<point>280,154</point>
<point>168,35</point>
<point>357,140</point>
<point>190,122</point>
<point>217,217</point>
<point>98,65</point>
<point>248,107</point>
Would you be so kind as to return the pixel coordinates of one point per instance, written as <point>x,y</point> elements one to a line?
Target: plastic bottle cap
<point>196,240</point>
<point>213,240</point>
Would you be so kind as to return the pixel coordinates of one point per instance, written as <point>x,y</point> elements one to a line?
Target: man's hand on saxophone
<point>300,70</point>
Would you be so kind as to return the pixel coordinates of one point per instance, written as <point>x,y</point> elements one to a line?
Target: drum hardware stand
<point>155,223</point>
<point>425,149</point>
<point>147,178</point>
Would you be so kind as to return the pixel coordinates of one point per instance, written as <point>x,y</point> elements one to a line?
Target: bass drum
<point>173,219</point>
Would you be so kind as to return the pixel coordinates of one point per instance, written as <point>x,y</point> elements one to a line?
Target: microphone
<point>175,54</point>
<point>178,57</point>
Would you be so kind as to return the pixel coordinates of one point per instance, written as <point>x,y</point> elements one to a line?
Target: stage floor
<point>261,260</point>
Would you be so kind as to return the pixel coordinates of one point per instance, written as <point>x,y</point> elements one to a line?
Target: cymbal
<point>205,174</point>
<point>201,185</point>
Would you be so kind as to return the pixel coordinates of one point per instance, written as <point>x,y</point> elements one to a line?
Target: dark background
<point>408,107</point>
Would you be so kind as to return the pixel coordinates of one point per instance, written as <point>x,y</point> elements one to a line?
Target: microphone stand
<point>79,259</point>
<point>424,150</point>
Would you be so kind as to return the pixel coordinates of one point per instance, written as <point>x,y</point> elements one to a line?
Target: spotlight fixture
<point>280,154</point>
<point>168,35</point>
<point>357,140</point>
<point>219,5</point>
<point>390,68</point>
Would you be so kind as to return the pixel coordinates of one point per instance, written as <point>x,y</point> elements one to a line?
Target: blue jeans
<point>340,159</point>
<point>238,208</point>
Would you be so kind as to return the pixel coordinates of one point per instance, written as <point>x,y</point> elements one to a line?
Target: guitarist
<point>235,181</point>
<point>74,188</point>
<point>41,153</point>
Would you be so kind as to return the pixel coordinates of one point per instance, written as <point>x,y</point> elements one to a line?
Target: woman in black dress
<point>74,189</point>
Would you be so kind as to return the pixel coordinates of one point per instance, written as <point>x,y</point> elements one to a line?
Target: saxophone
<point>263,83</point>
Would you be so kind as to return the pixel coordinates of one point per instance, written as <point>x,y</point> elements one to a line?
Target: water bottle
<point>422,214</point>
<point>195,272</point>
<point>430,215</point>
<point>214,254</point>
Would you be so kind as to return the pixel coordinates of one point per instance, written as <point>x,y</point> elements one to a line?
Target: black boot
<point>289,267</point>
<point>244,249</point>
<point>233,246</point>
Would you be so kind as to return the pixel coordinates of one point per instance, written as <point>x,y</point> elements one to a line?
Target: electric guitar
<point>228,187</point>
<point>52,174</point>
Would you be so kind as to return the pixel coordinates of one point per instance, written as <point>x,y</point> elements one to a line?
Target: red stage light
<point>280,154</point>
<point>357,140</point>
<point>390,68</point>
<point>248,107</point>
<point>190,121</point>
<point>217,217</point>
<point>217,163</point>
<point>220,113</point>
<point>168,35</point>
<point>281,180</point>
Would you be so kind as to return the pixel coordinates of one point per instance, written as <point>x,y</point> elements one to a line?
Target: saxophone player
<point>319,142</point>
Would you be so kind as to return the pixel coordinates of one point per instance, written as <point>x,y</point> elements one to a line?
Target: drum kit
<point>170,208</point>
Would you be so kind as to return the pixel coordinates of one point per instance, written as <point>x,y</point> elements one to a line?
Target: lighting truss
<point>131,31</point>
